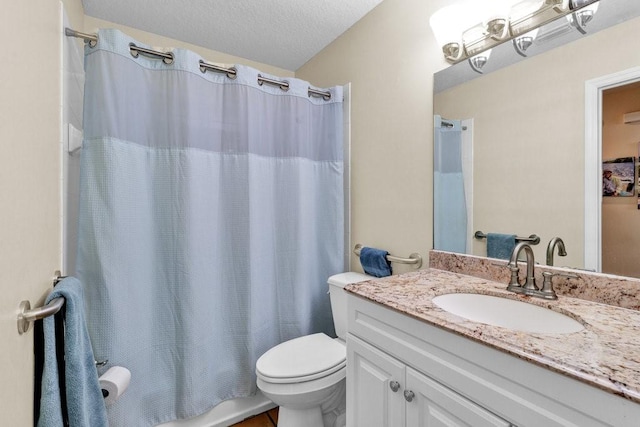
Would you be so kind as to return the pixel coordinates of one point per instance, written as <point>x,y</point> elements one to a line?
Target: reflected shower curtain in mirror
<point>211,216</point>
<point>451,200</point>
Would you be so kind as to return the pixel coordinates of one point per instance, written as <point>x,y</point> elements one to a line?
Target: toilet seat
<point>302,359</point>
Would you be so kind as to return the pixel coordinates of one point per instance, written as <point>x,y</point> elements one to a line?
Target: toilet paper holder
<point>114,383</point>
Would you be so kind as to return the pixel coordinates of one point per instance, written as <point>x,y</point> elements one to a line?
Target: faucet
<point>530,282</point>
<point>547,291</point>
<point>530,287</point>
<point>556,241</point>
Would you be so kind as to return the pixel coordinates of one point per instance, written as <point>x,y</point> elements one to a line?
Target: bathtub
<point>227,413</point>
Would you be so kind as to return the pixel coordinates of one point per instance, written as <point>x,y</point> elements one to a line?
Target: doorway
<point>620,220</point>
<point>595,91</point>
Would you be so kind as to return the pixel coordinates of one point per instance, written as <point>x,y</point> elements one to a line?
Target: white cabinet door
<point>372,377</point>
<point>434,405</point>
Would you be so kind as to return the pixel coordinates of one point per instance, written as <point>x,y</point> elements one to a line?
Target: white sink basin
<point>507,313</point>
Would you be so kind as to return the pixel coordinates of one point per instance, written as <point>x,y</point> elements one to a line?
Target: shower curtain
<point>451,187</point>
<point>211,216</point>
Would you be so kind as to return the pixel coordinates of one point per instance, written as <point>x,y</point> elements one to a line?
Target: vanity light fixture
<point>531,14</point>
<point>492,30</point>
<point>582,17</point>
<point>523,42</point>
<point>478,62</point>
<point>501,21</point>
<point>449,23</point>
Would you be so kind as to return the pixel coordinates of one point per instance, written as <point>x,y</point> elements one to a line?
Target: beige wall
<point>29,184</point>
<point>620,215</point>
<point>75,13</point>
<point>529,138</point>
<point>389,57</point>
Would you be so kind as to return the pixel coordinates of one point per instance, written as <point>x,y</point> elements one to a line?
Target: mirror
<point>529,128</point>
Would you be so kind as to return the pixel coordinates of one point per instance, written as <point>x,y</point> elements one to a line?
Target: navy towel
<point>85,403</point>
<point>374,262</point>
<point>500,245</point>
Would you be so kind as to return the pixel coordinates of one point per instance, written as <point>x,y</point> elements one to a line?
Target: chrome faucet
<point>556,241</point>
<point>530,281</point>
<point>530,287</point>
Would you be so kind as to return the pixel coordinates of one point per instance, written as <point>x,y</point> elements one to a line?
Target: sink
<point>507,313</point>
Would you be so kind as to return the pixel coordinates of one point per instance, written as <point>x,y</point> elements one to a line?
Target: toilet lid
<point>302,359</point>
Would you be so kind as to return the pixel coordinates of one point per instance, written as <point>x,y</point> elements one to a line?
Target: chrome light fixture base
<point>498,29</point>
<point>521,44</point>
<point>478,62</point>
<point>580,19</point>
<point>453,52</point>
<point>521,28</point>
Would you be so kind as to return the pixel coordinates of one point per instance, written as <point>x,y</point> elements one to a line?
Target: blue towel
<point>85,403</point>
<point>500,245</point>
<point>374,262</point>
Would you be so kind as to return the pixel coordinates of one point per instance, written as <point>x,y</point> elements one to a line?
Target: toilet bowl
<point>305,376</point>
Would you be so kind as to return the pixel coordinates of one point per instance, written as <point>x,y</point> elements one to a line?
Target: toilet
<point>305,376</point>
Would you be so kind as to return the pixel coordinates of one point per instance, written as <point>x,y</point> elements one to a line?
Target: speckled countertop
<point>605,354</point>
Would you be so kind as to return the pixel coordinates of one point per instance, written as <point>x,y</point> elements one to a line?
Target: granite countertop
<point>605,354</point>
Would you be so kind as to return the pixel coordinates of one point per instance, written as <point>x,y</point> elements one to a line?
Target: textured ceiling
<point>282,33</point>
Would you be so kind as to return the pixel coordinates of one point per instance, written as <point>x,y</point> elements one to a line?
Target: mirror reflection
<point>620,146</point>
<point>527,143</point>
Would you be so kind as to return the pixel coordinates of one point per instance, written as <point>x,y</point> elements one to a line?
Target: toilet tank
<point>337,282</point>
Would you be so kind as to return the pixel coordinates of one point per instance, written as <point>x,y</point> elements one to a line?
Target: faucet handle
<point>547,290</point>
<point>514,282</point>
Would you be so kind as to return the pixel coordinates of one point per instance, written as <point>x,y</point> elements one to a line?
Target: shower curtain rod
<point>167,58</point>
<point>92,39</point>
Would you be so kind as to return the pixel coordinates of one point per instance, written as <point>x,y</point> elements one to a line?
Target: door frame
<point>593,162</point>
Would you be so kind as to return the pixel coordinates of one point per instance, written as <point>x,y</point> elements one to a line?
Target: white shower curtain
<point>211,216</point>
<point>452,187</point>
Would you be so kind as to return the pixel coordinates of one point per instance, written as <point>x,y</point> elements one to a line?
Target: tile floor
<point>266,419</point>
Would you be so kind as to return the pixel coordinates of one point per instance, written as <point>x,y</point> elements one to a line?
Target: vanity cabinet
<point>387,393</point>
<point>455,381</point>
<point>374,388</point>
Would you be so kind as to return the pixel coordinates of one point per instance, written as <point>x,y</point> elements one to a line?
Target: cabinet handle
<point>394,386</point>
<point>409,395</point>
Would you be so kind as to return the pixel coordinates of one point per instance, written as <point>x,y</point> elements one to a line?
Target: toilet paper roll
<point>114,382</point>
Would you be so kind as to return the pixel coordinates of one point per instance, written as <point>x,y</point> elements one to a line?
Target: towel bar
<point>533,239</point>
<point>26,315</point>
<point>414,258</point>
